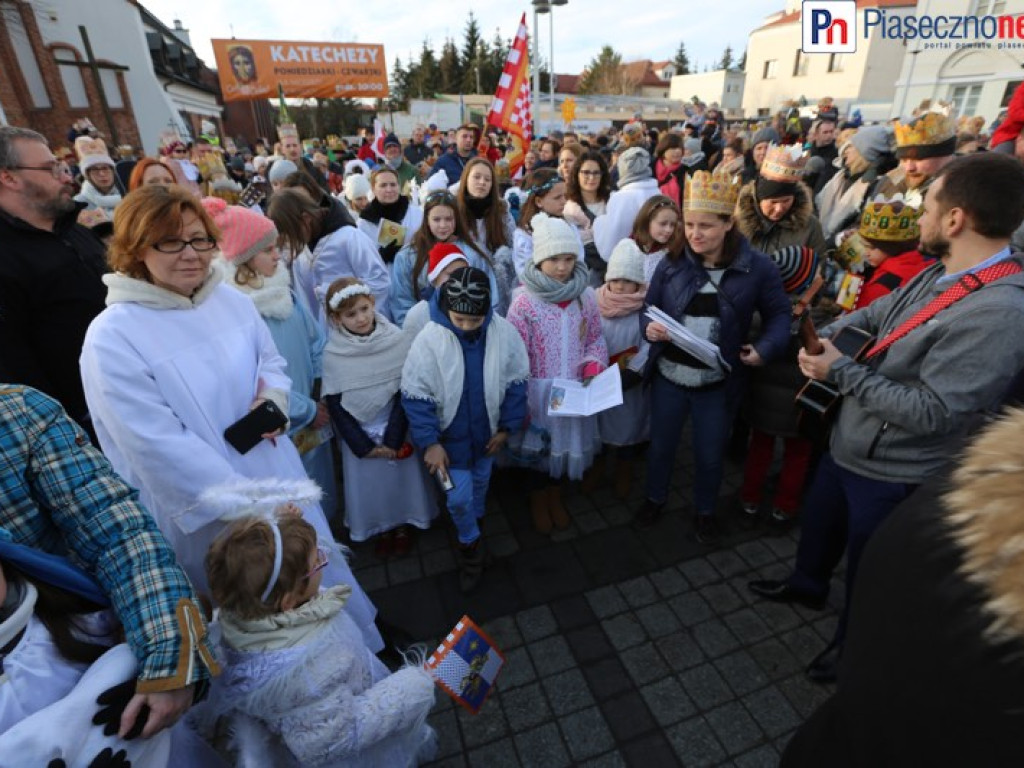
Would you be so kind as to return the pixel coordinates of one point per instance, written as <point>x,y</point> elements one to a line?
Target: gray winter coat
<point>901,414</point>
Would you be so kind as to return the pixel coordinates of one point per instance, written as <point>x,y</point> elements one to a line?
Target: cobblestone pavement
<point>624,647</point>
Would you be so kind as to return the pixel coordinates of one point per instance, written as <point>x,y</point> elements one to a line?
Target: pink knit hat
<point>243,232</point>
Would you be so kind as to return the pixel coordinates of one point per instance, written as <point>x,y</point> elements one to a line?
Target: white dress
<point>382,494</point>
<point>629,423</point>
<point>163,378</point>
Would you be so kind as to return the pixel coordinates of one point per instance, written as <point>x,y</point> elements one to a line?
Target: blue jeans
<point>670,405</point>
<point>841,512</point>
<point>467,501</point>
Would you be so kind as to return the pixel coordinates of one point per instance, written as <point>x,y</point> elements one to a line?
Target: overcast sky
<point>636,30</point>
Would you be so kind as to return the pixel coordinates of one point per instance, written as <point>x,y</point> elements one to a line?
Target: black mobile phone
<point>246,433</point>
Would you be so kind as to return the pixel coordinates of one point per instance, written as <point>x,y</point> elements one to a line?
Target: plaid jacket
<point>59,494</point>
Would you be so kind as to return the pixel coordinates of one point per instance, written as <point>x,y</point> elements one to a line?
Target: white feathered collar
<point>272,296</point>
<point>285,629</point>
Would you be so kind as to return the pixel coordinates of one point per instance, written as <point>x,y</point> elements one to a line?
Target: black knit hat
<point>468,292</point>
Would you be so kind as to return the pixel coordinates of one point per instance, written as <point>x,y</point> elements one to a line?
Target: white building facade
<point>723,86</point>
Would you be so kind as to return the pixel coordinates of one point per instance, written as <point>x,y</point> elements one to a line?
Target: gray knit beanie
<point>765,134</point>
<point>281,170</point>
<point>634,165</point>
<point>872,142</point>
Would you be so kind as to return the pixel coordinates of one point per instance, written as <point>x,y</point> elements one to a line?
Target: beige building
<point>723,87</point>
<point>778,72</point>
<point>978,80</point>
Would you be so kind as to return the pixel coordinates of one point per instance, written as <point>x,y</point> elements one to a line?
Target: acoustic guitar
<point>819,400</point>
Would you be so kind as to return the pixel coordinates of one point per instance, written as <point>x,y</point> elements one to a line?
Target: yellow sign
<point>569,110</point>
<point>252,69</point>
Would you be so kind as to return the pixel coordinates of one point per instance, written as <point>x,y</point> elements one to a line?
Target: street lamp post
<point>551,31</point>
<point>543,6</point>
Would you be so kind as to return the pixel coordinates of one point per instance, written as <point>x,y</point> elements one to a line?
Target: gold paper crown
<point>784,163</point>
<point>711,193</point>
<point>287,131</point>
<point>935,126</point>
<point>851,253</point>
<point>889,220</point>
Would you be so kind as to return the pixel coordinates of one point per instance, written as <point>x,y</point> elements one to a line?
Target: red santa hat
<point>441,255</point>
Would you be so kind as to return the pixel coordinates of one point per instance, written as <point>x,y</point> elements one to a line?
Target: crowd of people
<point>833,302</point>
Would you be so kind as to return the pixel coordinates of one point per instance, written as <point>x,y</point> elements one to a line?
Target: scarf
<point>365,370</point>
<point>619,304</point>
<point>108,202</point>
<point>377,210</point>
<point>436,368</point>
<point>478,206</point>
<point>272,296</point>
<point>550,290</point>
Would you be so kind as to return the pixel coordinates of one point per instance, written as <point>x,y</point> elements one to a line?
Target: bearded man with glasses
<point>50,272</point>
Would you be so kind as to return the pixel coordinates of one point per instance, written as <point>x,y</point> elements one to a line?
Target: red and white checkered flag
<point>511,109</point>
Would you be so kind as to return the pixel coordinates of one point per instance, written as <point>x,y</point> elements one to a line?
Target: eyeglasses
<point>198,244</point>
<point>590,173</point>
<point>179,151</point>
<point>54,167</point>
<point>321,562</point>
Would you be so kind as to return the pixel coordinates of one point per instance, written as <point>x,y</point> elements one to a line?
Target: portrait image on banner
<point>252,69</point>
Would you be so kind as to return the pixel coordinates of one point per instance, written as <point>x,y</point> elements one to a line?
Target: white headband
<point>276,571</point>
<point>356,289</point>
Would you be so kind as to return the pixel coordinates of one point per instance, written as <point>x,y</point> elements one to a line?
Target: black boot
<point>471,565</point>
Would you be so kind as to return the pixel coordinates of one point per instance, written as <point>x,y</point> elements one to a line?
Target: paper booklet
<point>682,337</point>
<point>572,398</point>
<point>390,232</point>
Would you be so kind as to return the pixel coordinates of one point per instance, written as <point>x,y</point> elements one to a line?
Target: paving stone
<point>624,631</point>
<point>747,626</point>
<point>650,751</point>
<point>669,582</point>
<point>590,522</point>
<point>586,733</point>
<point>782,741</point>
<point>778,616</point>
<point>403,569</point>
<point>542,747</point>
<point>775,659</point>
<point>695,743</point>
<point>826,627</point>
<point>741,672</point>
<point>728,563</point>
<point>525,707</point>
<point>518,669</point>
<point>551,655</point>
<point>763,757</point>
<point>499,754</point>
<point>680,651</point>
<point>589,644</point>
<point>487,725</point>
<point>714,638</point>
<point>616,514</point>
<point>742,590</point>
<point>438,561</point>
<point>607,678</point>
<point>447,726</point>
<point>783,546</point>
<point>628,716</point>
<point>547,572</point>
<point>705,686</point>
<point>805,695</point>
<point>504,632</point>
<point>638,592</point>
<point>691,608</point>
<point>755,553</point>
<point>734,727</point>
<point>502,544</point>
<point>608,760</point>
<point>373,578</point>
<point>668,701</point>
<point>572,612</point>
<point>722,598</point>
<point>536,623</point>
<point>435,538</point>
<point>772,711</point>
<point>567,692</point>
<point>606,601</point>
<point>700,572</point>
<point>456,761</point>
<point>658,620</point>
<point>644,663</point>
<point>804,642</point>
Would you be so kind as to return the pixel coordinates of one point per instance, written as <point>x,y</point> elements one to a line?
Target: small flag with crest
<point>466,664</point>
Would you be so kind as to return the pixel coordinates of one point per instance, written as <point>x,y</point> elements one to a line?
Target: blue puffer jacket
<point>751,283</point>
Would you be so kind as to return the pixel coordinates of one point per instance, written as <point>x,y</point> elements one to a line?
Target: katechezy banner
<point>252,69</point>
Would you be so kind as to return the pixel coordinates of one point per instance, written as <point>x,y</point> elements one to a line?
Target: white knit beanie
<point>626,263</point>
<point>553,237</point>
<point>281,170</point>
<point>357,185</point>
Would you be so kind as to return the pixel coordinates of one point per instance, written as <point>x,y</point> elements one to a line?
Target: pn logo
<point>829,26</point>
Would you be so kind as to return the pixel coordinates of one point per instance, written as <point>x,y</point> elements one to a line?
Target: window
<point>111,88</point>
<point>74,87</point>
<point>770,68</point>
<point>763,112</point>
<point>964,99</point>
<point>989,7</point>
<point>800,64</point>
<point>836,62</point>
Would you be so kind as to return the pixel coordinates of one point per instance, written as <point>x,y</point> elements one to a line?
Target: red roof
<point>793,18</point>
<point>567,83</point>
<point>642,73</point>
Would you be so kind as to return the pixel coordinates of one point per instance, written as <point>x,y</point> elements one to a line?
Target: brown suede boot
<point>559,515</point>
<point>539,511</point>
<point>623,478</point>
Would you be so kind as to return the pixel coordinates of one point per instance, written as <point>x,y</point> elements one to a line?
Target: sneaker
<point>648,514</point>
<point>779,522</point>
<point>705,530</point>
<point>749,508</point>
